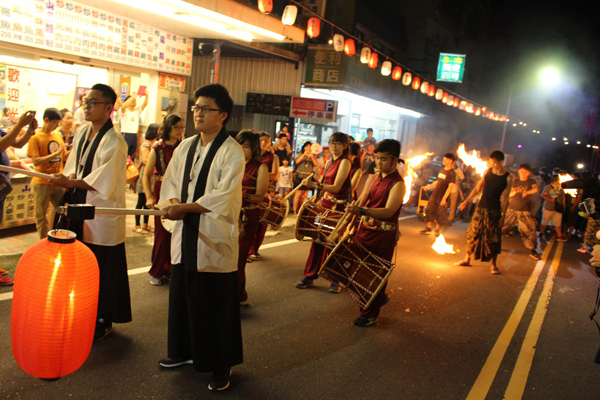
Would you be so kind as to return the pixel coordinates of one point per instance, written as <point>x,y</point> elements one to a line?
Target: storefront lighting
<point>424,87</point>
<point>373,61</point>
<point>289,15</point>
<point>338,42</point>
<point>416,83</point>
<point>265,6</point>
<point>365,55</point>
<point>203,17</point>
<point>349,47</point>
<point>589,145</point>
<point>386,68</point>
<point>313,27</point>
<point>397,73</point>
<point>406,78</point>
<point>580,166</point>
<point>553,139</point>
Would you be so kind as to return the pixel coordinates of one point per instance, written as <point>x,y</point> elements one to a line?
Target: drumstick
<point>296,189</point>
<point>114,211</point>
<point>341,226</point>
<point>26,172</point>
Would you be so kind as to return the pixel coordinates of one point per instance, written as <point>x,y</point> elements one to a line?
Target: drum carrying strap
<point>191,221</point>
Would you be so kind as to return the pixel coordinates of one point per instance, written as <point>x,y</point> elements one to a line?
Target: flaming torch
<point>441,247</point>
<point>411,164</point>
<point>472,159</point>
<point>566,178</point>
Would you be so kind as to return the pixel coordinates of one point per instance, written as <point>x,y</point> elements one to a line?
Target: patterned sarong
<point>484,235</point>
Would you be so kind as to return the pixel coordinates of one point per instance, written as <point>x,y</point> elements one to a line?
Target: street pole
<point>507,115</point>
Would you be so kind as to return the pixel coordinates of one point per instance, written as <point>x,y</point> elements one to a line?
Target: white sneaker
<point>155,281</point>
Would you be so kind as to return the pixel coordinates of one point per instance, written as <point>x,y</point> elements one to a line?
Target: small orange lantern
<point>456,102</point>
<point>349,47</point>
<point>55,301</point>
<point>416,83</point>
<point>478,111</point>
<point>397,73</point>
<point>431,91</point>
<point>313,28</point>
<point>484,111</point>
<point>444,98</point>
<point>373,61</point>
<point>265,6</point>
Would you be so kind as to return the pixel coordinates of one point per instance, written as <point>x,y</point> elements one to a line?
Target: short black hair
<point>281,135</point>
<point>52,114</point>
<point>369,129</point>
<point>262,134</point>
<point>167,125</point>
<point>354,148</point>
<point>249,136</point>
<point>64,112</point>
<point>497,155</point>
<point>107,92</point>
<point>450,156</point>
<point>309,143</point>
<point>526,167</point>
<point>220,95</point>
<point>340,137</point>
<point>390,146</point>
<point>151,131</point>
<point>544,170</point>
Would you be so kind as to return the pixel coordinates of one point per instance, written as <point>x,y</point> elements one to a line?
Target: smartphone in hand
<point>31,126</point>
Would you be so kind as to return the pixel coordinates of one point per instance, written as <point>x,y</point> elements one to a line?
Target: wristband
<point>363,211</point>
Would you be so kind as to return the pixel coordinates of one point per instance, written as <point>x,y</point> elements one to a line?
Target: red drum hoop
<point>357,270</point>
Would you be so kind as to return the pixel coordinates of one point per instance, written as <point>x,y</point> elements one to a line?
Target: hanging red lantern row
<point>373,61</point>
<point>397,73</point>
<point>349,47</point>
<point>416,83</point>
<point>265,6</point>
<point>313,27</point>
<point>444,98</point>
<point>456,102</point>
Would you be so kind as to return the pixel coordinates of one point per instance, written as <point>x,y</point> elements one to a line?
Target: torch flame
<point>472,160</point>
<point>566,178</point>
<point>441,247</point>
<point>412,163</point>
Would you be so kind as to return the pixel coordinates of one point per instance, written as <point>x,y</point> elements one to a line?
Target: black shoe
<point>103,329</point>
<point>425,231</point>
<point>219,381</point>
<point>534,255</point>
<point>437,232</point>
<point>386,300</point>
<point>173,363</point>
<point>363,321</point>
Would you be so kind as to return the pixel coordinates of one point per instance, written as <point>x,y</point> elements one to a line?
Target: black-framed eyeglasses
<point>203,110</point>
<point>92,103</point>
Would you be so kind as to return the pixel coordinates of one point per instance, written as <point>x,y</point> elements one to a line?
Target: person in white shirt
<point>95,174</point>
<point>79,116</point>
<point>203,183</point>
<point>456,190</point>
<point>130,121</point>
<point>285,178</point>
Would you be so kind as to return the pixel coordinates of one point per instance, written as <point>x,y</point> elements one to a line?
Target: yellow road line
<point>486,377</point>
<point>518,380</point>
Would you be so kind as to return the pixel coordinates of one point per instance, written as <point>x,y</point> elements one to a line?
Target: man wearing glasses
<point>95,174</point>
<point>203,183</point>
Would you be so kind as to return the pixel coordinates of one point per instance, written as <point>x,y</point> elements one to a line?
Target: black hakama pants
<point>204,319</point>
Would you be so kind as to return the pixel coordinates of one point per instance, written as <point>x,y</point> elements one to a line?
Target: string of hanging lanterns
<point>370,57</point>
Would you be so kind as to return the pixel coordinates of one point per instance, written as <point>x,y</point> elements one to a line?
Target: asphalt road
<point>448,333</point>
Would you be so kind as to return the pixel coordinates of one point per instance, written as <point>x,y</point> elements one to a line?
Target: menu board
<point>272,104</point>
<point>69,27</point>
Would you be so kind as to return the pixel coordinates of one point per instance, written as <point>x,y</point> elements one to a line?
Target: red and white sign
<point>321,110</point>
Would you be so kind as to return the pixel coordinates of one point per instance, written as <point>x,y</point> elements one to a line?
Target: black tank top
<point>493,187</point>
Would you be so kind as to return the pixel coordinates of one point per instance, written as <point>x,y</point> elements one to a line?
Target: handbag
<point>132,173</point>
<point>558,207</point>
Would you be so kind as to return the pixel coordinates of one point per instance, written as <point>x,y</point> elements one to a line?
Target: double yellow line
<point>520,374</point>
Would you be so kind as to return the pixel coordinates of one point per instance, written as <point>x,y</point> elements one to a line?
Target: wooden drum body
<point>357,270</point>
<point>273,212</point>
<point>316,222</point>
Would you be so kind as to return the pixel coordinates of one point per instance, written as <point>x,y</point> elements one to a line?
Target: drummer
<point>271,160</point>
<point>378,230</point>
<point>254,187</point>
<point>335,188</point>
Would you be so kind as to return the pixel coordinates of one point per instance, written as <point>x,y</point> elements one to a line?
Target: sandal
<point>141,231</point>
<point>582,250</point>
<point>462,264</point>
<point>149,229</point>
<point>495,271</point>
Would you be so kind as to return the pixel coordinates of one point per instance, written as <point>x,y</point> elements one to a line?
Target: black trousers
<point>204,319</point>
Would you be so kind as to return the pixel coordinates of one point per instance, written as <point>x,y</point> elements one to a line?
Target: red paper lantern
<point>55,301</point>
<point>445,98</point>
<point>397,73</point>
<point>349,47</point>
<point>313,28</point>
<point>416,83</point>
<point>483,111</point>
<point>265,6</point>
<point>456,102</point>
<point>431,91</point>
<point>373,61</point>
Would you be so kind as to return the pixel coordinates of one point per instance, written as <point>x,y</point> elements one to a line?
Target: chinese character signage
<point>69,27</point>
<point>169,81</point>
<point>18,87</point>
<point>451,67</point>
<point>271,104</point>
<point>19,206</point>
<point>324,67</point>
<point>322,110</point>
